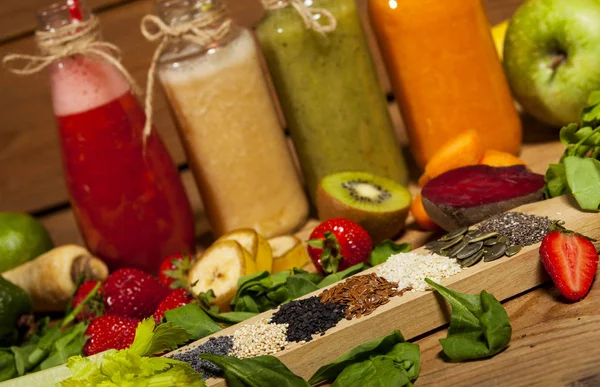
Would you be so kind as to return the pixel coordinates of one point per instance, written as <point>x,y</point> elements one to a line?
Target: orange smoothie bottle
<point>445,73</point>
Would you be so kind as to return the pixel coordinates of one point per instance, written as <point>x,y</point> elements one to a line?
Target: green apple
<point>552,57</point>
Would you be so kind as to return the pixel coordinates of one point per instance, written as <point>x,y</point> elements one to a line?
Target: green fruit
<point>551,56</point>
<point>22,238</point>
<point>378,204</point>
<point>14,302</point>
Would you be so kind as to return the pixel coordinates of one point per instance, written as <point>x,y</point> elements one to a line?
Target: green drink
<point>330,94</point>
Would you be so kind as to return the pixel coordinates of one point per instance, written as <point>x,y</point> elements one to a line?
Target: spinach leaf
<point>312,277</point>
<point>193,319</point>
<point>261,371</point>
<point>380,371</point>
<point>300,286</point>
<point>382,345</point>
<point>230,318</point>
<point>8,369</point>
<point>556,181</point>
<point>479,325</point>
<point>340,275</point>
<point>583,176</point>
<point>386,249</point>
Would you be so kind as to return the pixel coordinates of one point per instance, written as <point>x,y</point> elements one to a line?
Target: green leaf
<point>8,368</point>
<point>379,346</point>
<point>312,277</point>
<point>261,371</point>
<point>193,319</point>
<point>590,115</point>
<point>479,325</point>
<point>386,249</point>
<point>71,343</point>
<point>378,371</point>
<point>556,181</point>
<point>340,275</point>
<point>231,318</point>
<point>299,286</point>
<point>583,176</point>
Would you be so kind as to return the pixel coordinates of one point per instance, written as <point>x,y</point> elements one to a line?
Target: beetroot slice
<point>468,195</point>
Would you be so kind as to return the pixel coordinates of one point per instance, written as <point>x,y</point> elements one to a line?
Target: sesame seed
<point>260,338</point>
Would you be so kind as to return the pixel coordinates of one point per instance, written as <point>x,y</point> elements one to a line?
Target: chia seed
<point>221,345</point>
<point>521,229</point>
<point>307,317</point>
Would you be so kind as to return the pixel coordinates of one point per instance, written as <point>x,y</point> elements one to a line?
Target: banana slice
<point>255,244</point>
<point>288,252</point>
<point>219,269</point>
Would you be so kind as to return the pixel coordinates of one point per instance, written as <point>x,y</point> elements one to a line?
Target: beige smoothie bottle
<point>228,124</point>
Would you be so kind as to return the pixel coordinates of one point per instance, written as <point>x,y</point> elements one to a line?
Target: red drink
<point>129,204</point>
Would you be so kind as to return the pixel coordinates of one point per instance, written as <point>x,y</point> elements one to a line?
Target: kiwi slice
<point>378,204</point>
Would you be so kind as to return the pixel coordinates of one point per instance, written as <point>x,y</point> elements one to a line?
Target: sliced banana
<point>288,252</point>
<point>255,244</point>
<point>219,269</point>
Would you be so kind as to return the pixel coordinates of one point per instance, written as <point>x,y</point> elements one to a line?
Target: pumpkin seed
<point>504,239</point>
<point>458,248</point>
<point>451,242</point>
<point>473,259</point>
<point>490,242</point>
<point>513,250</point>
<point>456,233</point>
<point>495,252</point>
<point>471,249</point>
<point>483,236</point>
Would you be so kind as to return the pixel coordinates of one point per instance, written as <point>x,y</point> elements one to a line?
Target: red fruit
<point>95,306</point>
<point>177,298</point>
<point>109,332</point>
<point>132,293</point>
<point>337,244</point>
<point>173,271</point>
<point>572,262</point>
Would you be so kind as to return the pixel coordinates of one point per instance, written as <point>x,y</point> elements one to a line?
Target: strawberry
<point>174,270</point>
<point>571,261</point>
<point>132,293</point>
<point>109,332</point>
<point>95,305</point>
<point>175,299</point>
<point>337,244</point>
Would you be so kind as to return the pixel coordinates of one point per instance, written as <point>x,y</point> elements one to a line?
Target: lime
<point>22,238</point>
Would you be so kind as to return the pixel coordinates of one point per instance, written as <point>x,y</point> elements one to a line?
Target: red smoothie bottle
<point>128,200</point>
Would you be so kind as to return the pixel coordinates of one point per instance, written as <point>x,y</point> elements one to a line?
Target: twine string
<point>310,16</point>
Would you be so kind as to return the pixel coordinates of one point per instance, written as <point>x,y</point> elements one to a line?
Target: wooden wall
<point>30,171</point>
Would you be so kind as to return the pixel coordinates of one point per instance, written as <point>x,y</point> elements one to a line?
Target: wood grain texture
<point>554,343</point>
<point>416,313</point>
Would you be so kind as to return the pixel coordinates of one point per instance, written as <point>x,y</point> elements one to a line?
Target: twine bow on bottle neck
<point>208,27</point>
<point>310,16</point>
<point>82,38</point>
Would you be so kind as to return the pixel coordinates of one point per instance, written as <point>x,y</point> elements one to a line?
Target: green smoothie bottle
<point>327,84</point>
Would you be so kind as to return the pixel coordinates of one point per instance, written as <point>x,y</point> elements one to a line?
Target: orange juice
<point>445,73</point>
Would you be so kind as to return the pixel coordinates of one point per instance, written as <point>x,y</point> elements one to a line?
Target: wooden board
<point>416,313</point>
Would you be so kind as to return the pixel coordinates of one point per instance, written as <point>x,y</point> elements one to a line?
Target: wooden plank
<point>416,313</point>
<point>553,343</point>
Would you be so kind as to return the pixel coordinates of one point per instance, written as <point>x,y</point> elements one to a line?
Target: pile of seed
<point>471,246</point>
<point>258,339</point>
<point>520,229</point>
<point>307,317</point>
<point>221,345</point>
<point>409,270</point>
<point>362,294</point>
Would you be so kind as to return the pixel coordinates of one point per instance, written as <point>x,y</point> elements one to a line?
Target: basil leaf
<point>340,275</point>
<point>377,371</point>
<point>382,345</point>
<point>583,176</point>
<point>386,249</point>
<point>479,325</point>
<point>193,319</point>
<point>299,286</point>
<point>8,369</point>
<point>261,371</point>
<point>556,181</point>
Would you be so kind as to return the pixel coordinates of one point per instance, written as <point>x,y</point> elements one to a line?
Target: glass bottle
<point>129,203</point>
<point>445,73</point>
<point>331,97</point>
<point>229,127</point>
